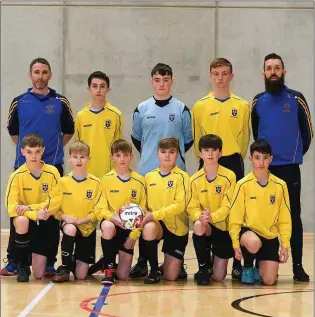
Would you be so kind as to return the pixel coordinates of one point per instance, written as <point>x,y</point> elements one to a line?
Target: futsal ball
<point>131,215</point>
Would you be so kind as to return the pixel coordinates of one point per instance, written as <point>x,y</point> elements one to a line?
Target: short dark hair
<point>272,56</point>
<point>121,145</point>
<point>219,62</point>
<point>100,75</point>
<point>162,69</point>
<point>32,140</point>
<point>260,146</point>
<point>168,143</point>
<point>39,60</point>
<point>210,141</point>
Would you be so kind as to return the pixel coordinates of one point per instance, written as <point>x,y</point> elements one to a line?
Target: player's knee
<point>81,275</point>
<point>70,229</point>
<point>199,228</point>
<point>149,230</point>
<point>219,276</point>
<point>170,276</point>
<point>38,274</point>
<point>21,224</point>
<point>253,245</point>
<point>123,276</point>
<point>269,280</point>
<point>108,229</point>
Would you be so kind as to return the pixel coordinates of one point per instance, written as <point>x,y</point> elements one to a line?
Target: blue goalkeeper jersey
<point>152,122</point>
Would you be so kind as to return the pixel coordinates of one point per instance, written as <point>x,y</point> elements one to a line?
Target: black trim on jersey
<point>225,177</point>
<point>11,186</point>
<point>283,194</point>
<point>254,115</point>
<point>183,179</point>
<point>136,143</point>
<point>138,181</point>
<point>162,103</point>
<point>94,179</point>
<point>51,174</point>
<point>181,156</point>
<point>249,180</point>
<point>66,119</point>
<point>191,186</point>
<point>188,145</point>
<point>13,117</point>
<point>107,175</point>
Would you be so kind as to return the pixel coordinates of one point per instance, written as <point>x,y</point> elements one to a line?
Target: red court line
<point>84,303</point>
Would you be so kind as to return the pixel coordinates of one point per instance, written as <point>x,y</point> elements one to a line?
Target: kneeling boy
<point>259,217</point>
<point>211,191</point>
<point>167,188</point>
<point>120,187</point>
<point>30,184</point>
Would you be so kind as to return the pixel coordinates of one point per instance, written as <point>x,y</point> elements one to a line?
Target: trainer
<point>39,110</point>
<point>281,116</point>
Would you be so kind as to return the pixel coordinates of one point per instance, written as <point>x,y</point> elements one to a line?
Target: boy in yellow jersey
<point>75,201</point>
<point>259,217</point>
<point>167,189</point>
<point>224,114</point>
<point>120,186</point>
<point>35,231</point>
<point>99,124</point>
<point>210,194</point>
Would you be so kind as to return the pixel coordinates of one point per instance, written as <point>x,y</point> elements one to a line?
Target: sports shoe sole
<point>7,273</point>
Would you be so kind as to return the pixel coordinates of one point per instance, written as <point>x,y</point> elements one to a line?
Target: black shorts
<point>173,245</point>
<point>84,247</point>
<point>120,239</point>
<point>269,250</point>
<point>44,237</point>
<point>221,242</point>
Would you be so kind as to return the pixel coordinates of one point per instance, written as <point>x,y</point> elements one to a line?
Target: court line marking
<point>237,303</point>
<point>84,303</point>
<point>36,300</point>
<point>100,301</point>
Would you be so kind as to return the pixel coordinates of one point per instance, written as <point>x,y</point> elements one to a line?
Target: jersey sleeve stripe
<point>11,186</point>
<point>283,194</point>
<point>12,108</point>
<point>308,116</point>
<point>239,190</point>
<point>66,102</point>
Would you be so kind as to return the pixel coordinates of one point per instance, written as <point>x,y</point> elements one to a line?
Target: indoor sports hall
<point>126,39</point>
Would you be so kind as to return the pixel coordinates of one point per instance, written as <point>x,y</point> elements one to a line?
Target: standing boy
<point>211,192</point>
<point>259,217</point>
<point>228,116</point>
<point>167,217</point>
<point>99,124</point>
<point>30,184</point>
<point>120,187</point>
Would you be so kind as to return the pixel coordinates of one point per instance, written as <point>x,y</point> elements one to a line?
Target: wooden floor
<point>134,299</point>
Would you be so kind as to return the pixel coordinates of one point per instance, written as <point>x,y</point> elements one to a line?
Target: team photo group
<point>254,220</point>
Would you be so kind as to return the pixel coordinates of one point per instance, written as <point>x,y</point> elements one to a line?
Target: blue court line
<point>100,301</point>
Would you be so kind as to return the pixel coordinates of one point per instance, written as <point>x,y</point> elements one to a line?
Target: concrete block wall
<point>127,38</point>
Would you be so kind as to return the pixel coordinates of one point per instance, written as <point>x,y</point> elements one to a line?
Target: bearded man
<point>281,116</point>
<point>43,111</point>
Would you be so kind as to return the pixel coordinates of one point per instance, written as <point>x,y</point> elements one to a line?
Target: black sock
<point>209,259</point>
<point>151,254</point>
<point>67,246</point>
<point>248,257</point>
<point>236,263</point>
<point>142,259</point>
<point>200,245</point>
<point>22,247</point>
<point>109,251</point>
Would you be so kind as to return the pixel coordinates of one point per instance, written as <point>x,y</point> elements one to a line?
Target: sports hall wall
<point>126,39</point>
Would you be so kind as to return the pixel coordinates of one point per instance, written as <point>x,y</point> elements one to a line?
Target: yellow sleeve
<point>223,212</point>
<point>194,208</point>
<point>121,127</point>
<point>237,214</point>
<point>96,213</point>
<point>244,136</point>
<point>12,195</point>
<point>103,210</point>
<point>135,234</point>
<point>196,130</point>
<point>284,219</point>
<point>77,131</point>
<point>178,205</point>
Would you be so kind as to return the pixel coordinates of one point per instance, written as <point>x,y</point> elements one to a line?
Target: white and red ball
<point>131,215</point>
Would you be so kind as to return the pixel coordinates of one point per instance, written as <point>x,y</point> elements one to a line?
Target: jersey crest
<point>234,113</point>
<point>44,187</point>
<point>108,124</point>
<point>171,116</point>
<point>133,194</point>
<point>218,189</point>
<point>272,199</point>
<point>50,109</point>
<point>170,184</point>
<point>89,194</point>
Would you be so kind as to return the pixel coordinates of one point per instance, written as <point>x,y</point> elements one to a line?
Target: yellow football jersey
<point>230,120</point>
<point>167,198</point>
<point>214,195</point>
<point>99,130</point>
<point>263,209</point>
<point>76,198</point>
<point>118,192</point>
<point>25,189</point>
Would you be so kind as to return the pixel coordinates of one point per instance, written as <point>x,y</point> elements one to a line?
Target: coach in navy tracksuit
<point>40,110</point>
<point>281,116</point>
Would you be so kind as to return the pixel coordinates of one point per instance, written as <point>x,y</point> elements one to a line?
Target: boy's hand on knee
<point>130,243</point>
<point>284,255</point>
<point>147,218</point>
<point>205,217</point>
<point>21,209</point>
<point>42,214</point>
<point>238,254</point>
<point>115,219</point>
<point>70,220</point>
